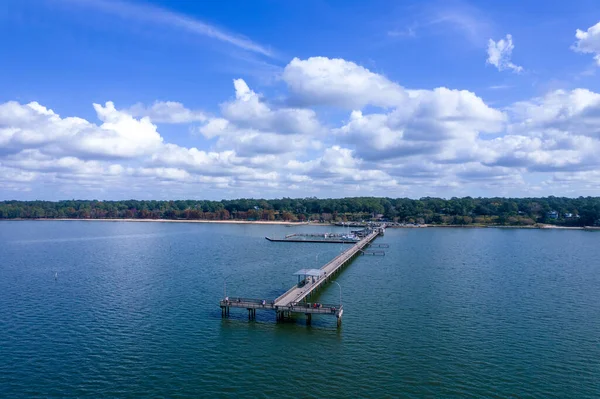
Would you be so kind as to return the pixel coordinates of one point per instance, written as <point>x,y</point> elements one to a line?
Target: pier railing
<point>240,302</point>
<point>298,307</point>
<point>313,307</point>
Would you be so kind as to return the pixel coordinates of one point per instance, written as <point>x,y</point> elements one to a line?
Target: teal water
<point>134,313</point>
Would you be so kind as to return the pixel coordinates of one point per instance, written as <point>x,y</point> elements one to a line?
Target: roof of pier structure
<point>310,272</point>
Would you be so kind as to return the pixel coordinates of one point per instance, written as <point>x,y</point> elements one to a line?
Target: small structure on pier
<point>308,276</point>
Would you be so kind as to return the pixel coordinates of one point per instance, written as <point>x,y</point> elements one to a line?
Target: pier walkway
<point>294,300</point>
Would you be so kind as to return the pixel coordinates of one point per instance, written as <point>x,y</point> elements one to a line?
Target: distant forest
<point>582,211</point>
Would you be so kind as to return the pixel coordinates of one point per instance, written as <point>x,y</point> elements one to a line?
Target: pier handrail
<point>246,300</point>
<point>311,304</point>
<point>294,306</point>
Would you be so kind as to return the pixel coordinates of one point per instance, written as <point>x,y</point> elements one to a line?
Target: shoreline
<point>292,224</point>
<point>491,226</point>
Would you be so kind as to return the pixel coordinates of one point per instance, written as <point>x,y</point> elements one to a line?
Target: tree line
<point>582,211</point>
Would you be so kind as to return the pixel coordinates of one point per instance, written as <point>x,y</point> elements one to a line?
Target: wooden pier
<point>295,300</point>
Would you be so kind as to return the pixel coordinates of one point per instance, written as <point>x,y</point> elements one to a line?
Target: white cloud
<point>543,154</point>
<point>249,143</point>
<point>427,124</point>
<point>192,159</point>
<point>252,127</point>
<point>588,179</point>
<point>338,166</point>
<point>589,41</point>
<point>167,112</point>
<point>321,80</point>
<point>576,112</point>
<point>120,135</point>
<point>35,160</point>
<point>162,173</point>
<point>423,142</point>
<point>35,126</point>
<point>15,175</point>
<point>248,111</point>
<point>454,112</point>
<point>500,53</point>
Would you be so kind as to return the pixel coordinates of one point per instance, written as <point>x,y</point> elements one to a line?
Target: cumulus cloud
<point>576,112</point>
<point>9,175</point>
<point>169,174</point>
<point>339,166</point>
<point>35,160</point>
<point>249,126</point>
<point>321,80</point>
<point>429,122</point>
<point>35,126</point>
<point>568,180</point>
<point>589,42</point>
<point>396,141</point>
<point>167,112</point>
<point>205,162</point>
<point>542,154</point>
<point>557,132</point>
<point>247,110</point>
<point>250,143</point>
<point>500,53</point>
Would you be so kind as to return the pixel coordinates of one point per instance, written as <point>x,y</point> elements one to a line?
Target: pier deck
<point>294,299</point>
<point>297,294</point>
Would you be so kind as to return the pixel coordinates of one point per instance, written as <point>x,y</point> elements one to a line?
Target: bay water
<point>128,310</point>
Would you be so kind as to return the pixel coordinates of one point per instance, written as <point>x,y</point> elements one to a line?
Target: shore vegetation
<point>559,211</point>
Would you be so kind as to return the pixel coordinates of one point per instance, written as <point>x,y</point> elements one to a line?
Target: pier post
<point>308,319</point>
<point>224,311</point>
<point>282,315</point>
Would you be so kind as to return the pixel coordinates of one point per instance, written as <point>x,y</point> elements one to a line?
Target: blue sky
<point>331,98</point>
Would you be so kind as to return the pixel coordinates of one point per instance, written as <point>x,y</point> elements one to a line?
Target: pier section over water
<point>294,299</point>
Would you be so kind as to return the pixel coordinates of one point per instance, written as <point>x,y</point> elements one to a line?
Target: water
<point>133,312</point>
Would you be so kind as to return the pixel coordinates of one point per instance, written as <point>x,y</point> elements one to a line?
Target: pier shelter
<point>309,276</point>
